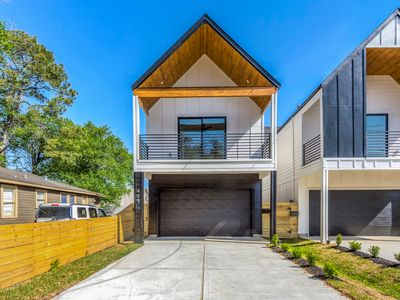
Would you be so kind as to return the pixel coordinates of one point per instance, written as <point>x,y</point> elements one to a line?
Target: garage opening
<point>204,212</point>
<point>358,212</point>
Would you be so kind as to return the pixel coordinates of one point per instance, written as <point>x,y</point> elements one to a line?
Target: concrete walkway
<point>201,270</point>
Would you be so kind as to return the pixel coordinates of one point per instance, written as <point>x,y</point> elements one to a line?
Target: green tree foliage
<point>30,82</point>
<point>89,157</point>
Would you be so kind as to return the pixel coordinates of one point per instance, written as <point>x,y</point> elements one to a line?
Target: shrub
<point>54,264</point>
<point>339,239</point>
<point>297,253</point>
<point>374,250</point>
<point>285,247</point>
<point>355,246</point>
<point>397,256</point>
<point>275,240</point>
<point>330,270</point>
<point>311,257</point>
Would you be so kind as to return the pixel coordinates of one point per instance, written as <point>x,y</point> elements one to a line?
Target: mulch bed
<point>378,260</point>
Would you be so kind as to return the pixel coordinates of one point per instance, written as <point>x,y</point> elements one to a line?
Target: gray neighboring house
<point>21,193</point>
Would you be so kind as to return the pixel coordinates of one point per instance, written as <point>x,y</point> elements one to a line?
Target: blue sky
<point>106,45</point>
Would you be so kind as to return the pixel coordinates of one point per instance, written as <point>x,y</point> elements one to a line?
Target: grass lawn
<point>359,278</point>
<point>47,285</point>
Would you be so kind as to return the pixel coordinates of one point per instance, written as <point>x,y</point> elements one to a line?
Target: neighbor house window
<point>377,135</point>
<point>72,199</point>
<point>64,198</point>
<point>9,195</point>
<point>41,197</point>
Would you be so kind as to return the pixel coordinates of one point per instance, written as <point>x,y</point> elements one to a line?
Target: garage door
<point>367,212</point>
<point>204,212</point>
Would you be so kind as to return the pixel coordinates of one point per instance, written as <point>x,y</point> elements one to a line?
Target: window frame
<point>45,196</point>
<point>69,198</point>
<point>15,195</point>
<point>386,115</point>
<point>66,194</point>
<point>201,132</point>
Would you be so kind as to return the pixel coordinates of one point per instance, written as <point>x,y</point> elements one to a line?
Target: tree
<point>31,82</point>
<point>89,157</point>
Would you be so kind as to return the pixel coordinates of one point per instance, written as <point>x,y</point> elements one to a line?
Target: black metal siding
<point>344,110</point>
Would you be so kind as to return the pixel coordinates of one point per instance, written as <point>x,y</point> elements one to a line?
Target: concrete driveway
<point>201,270</point>
<point>389,244</point>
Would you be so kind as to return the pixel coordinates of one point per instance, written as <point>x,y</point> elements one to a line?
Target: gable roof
<point>27,179</point>
<point>359,48</point>
<point>205,37</point>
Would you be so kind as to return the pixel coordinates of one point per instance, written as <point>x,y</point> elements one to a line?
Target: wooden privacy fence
<point>126,223</point>
<point>286,220</point>
<point>27,250</point>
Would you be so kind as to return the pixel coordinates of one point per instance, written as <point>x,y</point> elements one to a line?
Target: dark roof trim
<point>205,19</point>
<point>300,107</point>
<point>338,69</point>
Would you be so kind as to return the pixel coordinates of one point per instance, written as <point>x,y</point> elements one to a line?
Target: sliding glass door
<point>202,137</point>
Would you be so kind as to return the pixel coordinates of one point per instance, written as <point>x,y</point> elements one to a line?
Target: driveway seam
<point>203,273</point>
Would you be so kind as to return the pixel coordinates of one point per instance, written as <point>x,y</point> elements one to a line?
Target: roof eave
<point>205,19</point>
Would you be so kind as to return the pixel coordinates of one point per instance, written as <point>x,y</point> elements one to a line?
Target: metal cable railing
<point>205,146</point>
<point>312,150</point>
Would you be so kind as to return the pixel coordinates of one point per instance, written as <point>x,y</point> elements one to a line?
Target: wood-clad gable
<point>384,61</point>
<point>205,38</point>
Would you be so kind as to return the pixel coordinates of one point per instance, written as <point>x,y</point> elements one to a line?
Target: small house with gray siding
<point>21,193</point>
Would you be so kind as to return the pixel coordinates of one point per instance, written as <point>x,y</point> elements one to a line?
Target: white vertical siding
<point>290,142</point>
<point>243,115</point>
<point>383,96</point>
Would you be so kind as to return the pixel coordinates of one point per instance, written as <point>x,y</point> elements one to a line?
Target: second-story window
<point>377,135</point>
<point>202,137</point>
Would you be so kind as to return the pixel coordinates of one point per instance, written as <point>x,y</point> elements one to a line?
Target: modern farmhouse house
<point>344,140</point>
<point>209,138</point>
<point>21,193</point>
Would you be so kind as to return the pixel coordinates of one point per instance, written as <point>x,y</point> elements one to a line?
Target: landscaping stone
<point>362,254</point>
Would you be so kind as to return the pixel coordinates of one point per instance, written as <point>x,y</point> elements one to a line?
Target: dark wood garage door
<point>355,212</point>
<point>204,212</point>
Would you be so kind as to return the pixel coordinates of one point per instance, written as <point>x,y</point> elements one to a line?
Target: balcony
<point>312,150</point>
<point>383,144</point>
<point>205,146</point>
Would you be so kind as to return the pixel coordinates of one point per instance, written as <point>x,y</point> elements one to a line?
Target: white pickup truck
<point>65,211</point>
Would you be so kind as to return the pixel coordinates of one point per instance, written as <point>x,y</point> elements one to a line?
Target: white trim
<point>136,127</point>
<point>274,133</point>
<point>324,206</point>
<point>361,163</point>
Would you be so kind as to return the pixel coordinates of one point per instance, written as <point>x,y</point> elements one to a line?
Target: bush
<point>355,246</point>
<point>397,256</point>
<point>311,257</point>
<point>339,239</point>
<point>54,264</point>
<point>374,251</point>
<point>285,247</point>
<point>297,253</point>
<point>275,240</point>
<point>330,270</point>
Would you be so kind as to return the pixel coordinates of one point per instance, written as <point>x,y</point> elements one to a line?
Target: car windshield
<point>54,212</point>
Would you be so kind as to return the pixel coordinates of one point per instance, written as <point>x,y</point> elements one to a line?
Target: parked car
<point>65,211</point>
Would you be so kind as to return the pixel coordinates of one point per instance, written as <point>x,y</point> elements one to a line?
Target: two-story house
<point>204,148</point>
<point>344,140</point>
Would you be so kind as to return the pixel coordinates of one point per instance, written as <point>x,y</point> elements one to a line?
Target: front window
<point>9,202</point>
<point>202,138</point>
<point>64,198</point>
<point>377,139</point>
<point>40,198</point>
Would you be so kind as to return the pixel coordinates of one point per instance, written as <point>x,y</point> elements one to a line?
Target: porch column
<point>272,215</point>
<point>324,232</point>
<point>139,207</point>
